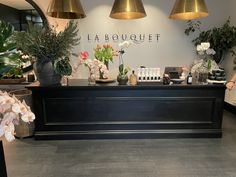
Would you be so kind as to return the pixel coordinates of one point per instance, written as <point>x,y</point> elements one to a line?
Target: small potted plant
<point>122,77</point>
<point>50,49</point>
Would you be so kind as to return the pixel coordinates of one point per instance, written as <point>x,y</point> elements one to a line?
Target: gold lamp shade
<point>128,9</point>
<point>67,9</point>
<point>189,9</point>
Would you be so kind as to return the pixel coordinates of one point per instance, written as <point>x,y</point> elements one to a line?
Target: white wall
<point>173,48</point>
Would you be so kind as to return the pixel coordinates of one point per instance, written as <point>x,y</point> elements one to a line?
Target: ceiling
<point>17,4</point>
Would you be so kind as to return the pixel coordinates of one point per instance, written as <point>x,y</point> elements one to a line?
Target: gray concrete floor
<point>126,158</point>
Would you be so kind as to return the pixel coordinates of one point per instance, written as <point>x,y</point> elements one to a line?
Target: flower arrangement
<point>46,45</point>
<point>95,66</point>
<point>222,39</point>
<point>11,110</point>
<point>206,64</point>
<point>204,50</point>
<point>207,53</point>
<point>105,53</point>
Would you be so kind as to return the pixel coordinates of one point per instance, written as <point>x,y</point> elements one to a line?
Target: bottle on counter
<point>139,75</point>
<point>133,79</point>
<point>166,79</point>
<point>189,78</point>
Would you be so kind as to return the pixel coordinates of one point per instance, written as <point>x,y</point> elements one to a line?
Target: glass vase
<point>202,73</point>
<point>92,79</point>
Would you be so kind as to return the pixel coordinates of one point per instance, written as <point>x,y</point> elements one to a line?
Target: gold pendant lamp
<point>189,9</point>
<point>128,9</point>
<point>67,9</point>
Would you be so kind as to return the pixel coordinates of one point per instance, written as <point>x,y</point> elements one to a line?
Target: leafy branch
<point>222,39</point>
<point>45,44</point>
<point>192,27</point>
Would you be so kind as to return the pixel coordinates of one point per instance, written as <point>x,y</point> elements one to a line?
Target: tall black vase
<point>219,56</point>
<point>3,170</point>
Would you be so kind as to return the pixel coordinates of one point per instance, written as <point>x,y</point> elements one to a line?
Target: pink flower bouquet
<point>11,110</point>
<point>95,66</point>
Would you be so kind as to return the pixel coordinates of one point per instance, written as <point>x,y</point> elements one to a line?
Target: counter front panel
<point>79,111</point>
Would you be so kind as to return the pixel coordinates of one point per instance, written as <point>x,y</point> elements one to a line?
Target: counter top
<point>83,84</point>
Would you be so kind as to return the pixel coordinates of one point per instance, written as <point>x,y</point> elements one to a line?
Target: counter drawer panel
<point>126,109</point>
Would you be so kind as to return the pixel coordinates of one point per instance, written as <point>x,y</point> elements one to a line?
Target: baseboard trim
<point>129,134</point>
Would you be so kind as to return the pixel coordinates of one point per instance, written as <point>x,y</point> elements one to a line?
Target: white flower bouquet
<point>206,62</point>
<point>11,111</point>
<point>204,50</point>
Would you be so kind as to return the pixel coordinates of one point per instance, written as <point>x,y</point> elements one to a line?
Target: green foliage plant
<point>11,62</point>
<point>222,39</point>
<point>45,44</point>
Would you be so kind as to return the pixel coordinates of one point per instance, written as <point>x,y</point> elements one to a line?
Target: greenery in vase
<point>222,39</point>
<point>11,61</point>
<point>45,44</point>
<point>105,53</point>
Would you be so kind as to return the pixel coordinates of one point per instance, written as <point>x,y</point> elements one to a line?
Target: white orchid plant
<point>11,111</point>
<point>123,45</point>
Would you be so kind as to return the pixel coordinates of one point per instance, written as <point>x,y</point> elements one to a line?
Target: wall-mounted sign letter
<point>157,36</point>
<point>106,38</point>
<point>115,38</point>
<point>150,37</point>
<point>96,39</point>
<point>89,39</point>
<point>133,37</point>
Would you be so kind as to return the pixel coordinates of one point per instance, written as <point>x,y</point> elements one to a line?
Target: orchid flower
<point>11,110</point>
<point>125,44</point>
